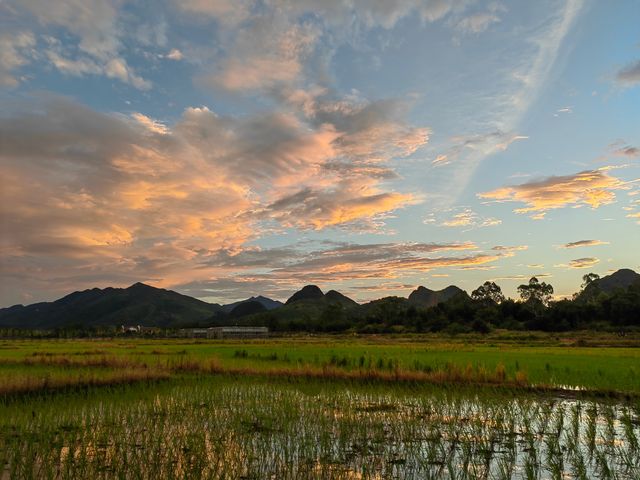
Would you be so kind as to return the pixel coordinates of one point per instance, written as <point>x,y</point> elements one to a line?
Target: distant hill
<point>308,308</point>
<point>622,278</point>
<point>247,308</point>
<point>267,303</point>
<point>313,294</point>
<point>138,304</point>
<point>332,296</point>
<point>308,292</point>
<point>380,305</point>
<point>424,297</point>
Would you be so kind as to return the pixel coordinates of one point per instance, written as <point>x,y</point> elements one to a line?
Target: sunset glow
<point>230,149</point>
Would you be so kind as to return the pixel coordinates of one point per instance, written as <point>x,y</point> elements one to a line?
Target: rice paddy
<point>254,410</point>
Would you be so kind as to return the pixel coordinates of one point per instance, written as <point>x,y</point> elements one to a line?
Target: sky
<point>229,148</point>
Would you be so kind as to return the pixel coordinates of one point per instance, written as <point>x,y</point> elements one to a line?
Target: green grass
<point>550,362</point>
<point>320,407</point>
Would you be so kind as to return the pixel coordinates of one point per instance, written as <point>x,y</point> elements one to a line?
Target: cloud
<point>95,24</point>
<point>163,198</point>
<point>585,262</point>
<point>284,269</point>
<point>347,14</point>
<point>468,218</point>
<point>584,243</point>
<point>266,45</point>
<point>563,110</point>
<point>593,188</point>
<point>268,53</point>
<point>226,12</point>
<point>627,151</point>
<point>478,22</point>
<point>317,209</point>
<point>174,54</point>
<point>521,277</point>
<point>118,68</point>
<point>519,74</point>
<point>629,75</point>
<point>441,159</point>
<point>15,52</point>
<point>508,250</point>
<point>153,126</point>
<point>484,144</point>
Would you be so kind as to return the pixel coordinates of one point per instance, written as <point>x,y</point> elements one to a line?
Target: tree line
<point>484,310</point>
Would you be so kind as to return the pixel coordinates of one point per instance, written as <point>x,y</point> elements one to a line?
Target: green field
<point>611,365</point>
<point>321,407</point>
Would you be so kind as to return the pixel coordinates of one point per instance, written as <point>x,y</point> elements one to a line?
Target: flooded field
<point>217,427</point>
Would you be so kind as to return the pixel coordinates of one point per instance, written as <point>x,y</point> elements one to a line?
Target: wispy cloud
<point>480,21</point>
<point>16,50</point>
<point>529,71</point>
<point>484,144</point>
<point>629,75</point>
<point>95,27</point>
<point>521,277</point>
<point>585,262</point>
<point>627,151</point>
<point>584,243</point>
<point>470,219</point>
<point>267,54</point>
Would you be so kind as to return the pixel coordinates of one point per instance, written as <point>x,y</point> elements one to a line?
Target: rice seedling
<point>264,410</point>
<point>212,427</point>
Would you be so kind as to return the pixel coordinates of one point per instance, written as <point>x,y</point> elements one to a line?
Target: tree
<point>588,279</point>
<point>488,291</point>
<point>536,292</point>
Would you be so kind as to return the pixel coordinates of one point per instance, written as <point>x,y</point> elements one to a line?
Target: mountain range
<point>142,304</point>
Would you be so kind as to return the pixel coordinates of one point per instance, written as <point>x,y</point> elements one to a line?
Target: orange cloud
<point>128,198</point>
<point>345,262</point>
<point>593,188</point>
<point>316,209</point>
<point>585,262</point>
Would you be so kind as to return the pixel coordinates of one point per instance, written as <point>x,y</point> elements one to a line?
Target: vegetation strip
<point>142,371</point>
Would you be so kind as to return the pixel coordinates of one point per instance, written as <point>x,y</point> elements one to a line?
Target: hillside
<point>616,296</point>
<point>243,309</point>
<point>307,309</point>
<point>425,298</point>
<point>308,292</point>
<point>622,278</point>
<point>619,280</point>
<point>267,303</point>
<point>138,304</point>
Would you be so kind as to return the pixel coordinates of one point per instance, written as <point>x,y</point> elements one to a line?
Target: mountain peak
<point>333,296</point>
<point>139,285</point>
<point>308,292</point>
<point>267,303</point>
<point>425,297</point>
<point>623,278</point>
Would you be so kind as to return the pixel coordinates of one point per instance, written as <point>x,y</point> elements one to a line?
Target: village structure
<point>225,332</point>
